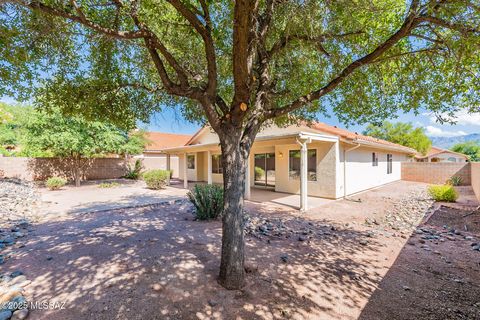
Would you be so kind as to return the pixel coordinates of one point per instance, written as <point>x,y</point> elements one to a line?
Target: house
<point>153,156</point>
<point>337,162</point>
<point>436,154</point>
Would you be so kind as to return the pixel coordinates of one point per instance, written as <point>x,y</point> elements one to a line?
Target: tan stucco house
<point>436,154</point>
<point>336,162</point>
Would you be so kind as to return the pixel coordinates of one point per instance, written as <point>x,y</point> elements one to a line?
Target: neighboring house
<point>441,155</point>
<point>154,158</point>
<point>337,162</point>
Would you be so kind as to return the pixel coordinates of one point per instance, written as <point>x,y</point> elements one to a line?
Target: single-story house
<point>436,154</point>
<point>316,160</point>
<point>154,158</point>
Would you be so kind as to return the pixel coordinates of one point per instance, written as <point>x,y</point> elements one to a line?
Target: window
<point>452,159</point>
<point>217,163</point>
<point>294,164</point>
<point>190,161</point>
<point>389,164</point>
<point>374,159</point>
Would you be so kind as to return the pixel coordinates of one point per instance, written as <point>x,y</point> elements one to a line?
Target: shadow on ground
<point>157,263</point>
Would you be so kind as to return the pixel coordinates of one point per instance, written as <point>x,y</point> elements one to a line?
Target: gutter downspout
<point>345,151</point>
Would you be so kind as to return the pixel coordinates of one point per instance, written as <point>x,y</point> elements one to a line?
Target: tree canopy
<point>123,60</point>
<point>470,148</point>
<point>402,133</point>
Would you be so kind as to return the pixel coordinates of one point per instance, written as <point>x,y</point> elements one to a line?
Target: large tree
<point>76,140</point>
<point>470,148</point>
<point>402,133</point>
<point>241,64</point>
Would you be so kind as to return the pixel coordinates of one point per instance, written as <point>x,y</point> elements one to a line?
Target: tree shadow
<point>156,262</point>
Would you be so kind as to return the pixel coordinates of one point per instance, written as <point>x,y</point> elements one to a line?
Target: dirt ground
<point>344,260</point>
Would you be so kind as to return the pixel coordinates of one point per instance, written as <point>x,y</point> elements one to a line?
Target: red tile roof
<point>161,140</point>
<point>436,150</point>
<point>343,133</point>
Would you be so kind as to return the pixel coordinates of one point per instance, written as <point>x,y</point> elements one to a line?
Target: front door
<point>264,170</point>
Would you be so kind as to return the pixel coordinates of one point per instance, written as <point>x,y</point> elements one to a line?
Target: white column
<point>168,168</point>
<point>185,171</point>
<point>209,167</point>
<point>247,180</point>
<point>303,176</point>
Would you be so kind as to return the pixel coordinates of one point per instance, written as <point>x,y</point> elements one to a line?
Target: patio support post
<point>185,171</point>
<point>168,168</point>
<point>303,174</point>
<point>209,165</point>
<point>247,180</point>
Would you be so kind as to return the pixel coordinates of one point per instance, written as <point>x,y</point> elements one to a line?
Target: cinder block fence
<point>436,173</point>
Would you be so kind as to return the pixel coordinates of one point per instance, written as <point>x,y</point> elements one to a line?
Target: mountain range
<point>448,142</point>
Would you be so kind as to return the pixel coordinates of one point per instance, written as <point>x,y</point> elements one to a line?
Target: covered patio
<point>269,196</point>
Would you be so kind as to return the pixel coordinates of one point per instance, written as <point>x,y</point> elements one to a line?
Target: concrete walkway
<point>90,197</point>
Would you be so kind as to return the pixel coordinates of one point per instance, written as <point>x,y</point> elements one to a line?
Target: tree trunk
<point>234,157</point>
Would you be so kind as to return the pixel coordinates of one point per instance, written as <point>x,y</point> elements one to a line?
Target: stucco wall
<point>476,178</point>
<point>43,168</point>
<point>361,174</point>
<point>438,173</point>
<point>325,186</point>
<point>445,156</point>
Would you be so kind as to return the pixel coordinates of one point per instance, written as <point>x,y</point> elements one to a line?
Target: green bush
<point>443,193</point>
<point>55,183</point>
<point>156,179</point>
<point>455,181</point>
<point>208,201</point>
<point>259,173</point>
<point>134,172</point>
<point>108,185</point>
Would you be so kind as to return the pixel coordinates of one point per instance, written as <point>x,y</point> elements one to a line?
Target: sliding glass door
<point>265,170</point>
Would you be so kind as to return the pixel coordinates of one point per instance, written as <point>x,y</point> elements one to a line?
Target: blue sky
<point>172,121</point>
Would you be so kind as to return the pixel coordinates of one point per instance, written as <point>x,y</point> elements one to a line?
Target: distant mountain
<point>448,142</point>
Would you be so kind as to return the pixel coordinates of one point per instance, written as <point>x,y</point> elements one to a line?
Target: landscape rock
<point>5,314</point>
<point>20,314</point>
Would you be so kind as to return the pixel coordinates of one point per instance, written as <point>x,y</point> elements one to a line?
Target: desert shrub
<point>156,179</point>
<point>455,181</point>
<point>259,173</point>
<point>133,172</point>
<point>208,201</point>
<point>109,185</point>
<point>55,183</point>
<point>443,193</point>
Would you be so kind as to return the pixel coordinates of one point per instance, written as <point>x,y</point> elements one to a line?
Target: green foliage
<point>471,149</point>
<point>107,185</point>
<point>208,201</point>
<point>12,118</point>
<point>51,133</point>
<point>402,133</point>
<point>133,172</point>
<point>79,69</point>
<point>55,183</point>
<point>156,179</point>
<point>455,181</point>
<point>443,193</point>
<point>259,173</point>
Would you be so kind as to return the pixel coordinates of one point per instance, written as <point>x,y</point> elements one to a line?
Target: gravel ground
<point>19,202</point>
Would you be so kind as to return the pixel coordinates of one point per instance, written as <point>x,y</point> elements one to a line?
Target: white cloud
<point>461,118</point>
<point>439,132</point>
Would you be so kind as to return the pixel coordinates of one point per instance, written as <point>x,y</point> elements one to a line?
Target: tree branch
<point>465,30</point>
<point>409,24</point>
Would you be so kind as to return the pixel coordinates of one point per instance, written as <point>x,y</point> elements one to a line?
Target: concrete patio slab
<point>91,198</point>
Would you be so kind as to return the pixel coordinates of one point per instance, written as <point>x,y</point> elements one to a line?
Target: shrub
<point>208,201</point>
<point>455,181</point>
<point>156,179</point>
<point>108,185</point>
<point>134,172</point>
<point>443,193</point>
<point>259,173</point>
<point>55,183</point>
